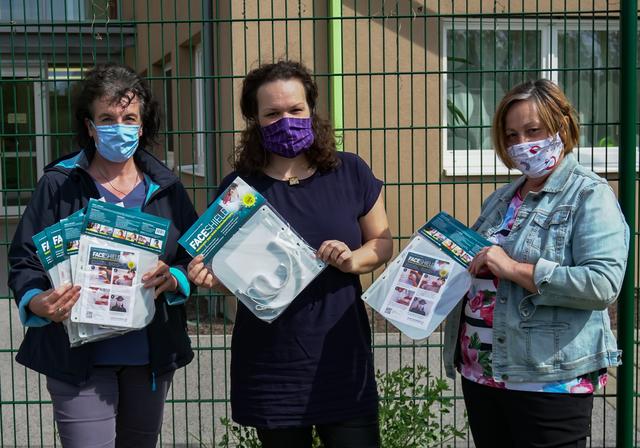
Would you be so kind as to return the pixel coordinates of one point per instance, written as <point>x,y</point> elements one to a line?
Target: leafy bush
<point>411,407</point>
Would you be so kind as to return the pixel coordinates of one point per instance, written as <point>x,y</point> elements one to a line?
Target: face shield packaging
<point>44,249</point>
<point>50,249</point>
<point>253,251</point>
<point>71,230</point>
<point>117,247</point>
<point>80,333</point>
<point>428,278</point>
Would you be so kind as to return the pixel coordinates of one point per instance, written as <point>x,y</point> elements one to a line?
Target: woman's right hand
<point>200,275</point>
<point>55,304</point>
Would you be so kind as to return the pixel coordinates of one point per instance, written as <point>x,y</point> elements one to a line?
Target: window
<point>484,59</point>
<point>22,144</point>
<point>197,167</point>
<point>199,106</point>
<point>57,10</point>
<point>167,99</point>
<point>36,127</point>
<point>60,82</point>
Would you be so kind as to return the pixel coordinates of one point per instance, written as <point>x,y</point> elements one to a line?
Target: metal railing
<point>411,87</point>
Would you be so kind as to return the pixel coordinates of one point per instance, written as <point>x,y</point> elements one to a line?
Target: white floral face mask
<point>538,158</point>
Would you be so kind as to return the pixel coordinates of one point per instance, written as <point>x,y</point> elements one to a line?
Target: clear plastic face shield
<point>267,263</point>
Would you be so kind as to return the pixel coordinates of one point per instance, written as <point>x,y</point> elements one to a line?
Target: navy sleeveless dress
<point>313,364</point>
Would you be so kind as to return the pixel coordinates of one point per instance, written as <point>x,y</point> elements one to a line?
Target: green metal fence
<point>411,86</point>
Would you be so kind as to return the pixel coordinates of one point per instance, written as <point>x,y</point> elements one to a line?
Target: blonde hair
<point>554,109</point>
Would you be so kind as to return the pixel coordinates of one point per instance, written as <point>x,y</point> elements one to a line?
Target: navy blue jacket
<point>64,188</point>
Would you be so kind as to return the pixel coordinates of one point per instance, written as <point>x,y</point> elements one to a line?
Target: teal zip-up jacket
<point>65,188</point>
<point>575,235</point>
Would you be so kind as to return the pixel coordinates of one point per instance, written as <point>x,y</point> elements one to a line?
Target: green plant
<point>456,113</point>
<point>240,436</point>
<point>411,406</point>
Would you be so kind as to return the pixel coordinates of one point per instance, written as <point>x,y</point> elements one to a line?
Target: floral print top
<point>476,333</point>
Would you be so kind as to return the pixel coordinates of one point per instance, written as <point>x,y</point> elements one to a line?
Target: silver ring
<point>59,310</point>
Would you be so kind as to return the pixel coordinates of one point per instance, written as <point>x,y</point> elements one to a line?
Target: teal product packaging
<point>253,251</point>
<point>129,227</point>
<point>71,230</point>
<point>44,249</point>
<point>80,333</point>
<point>421,286</point>
<point>453,238</point>
<point>50,249</point>
<point>117,247</point>
<point>62,262</point>
<point>222,219</point>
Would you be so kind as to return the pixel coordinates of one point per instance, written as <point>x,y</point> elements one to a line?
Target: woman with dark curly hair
<point>312,365</point>
<point>110,392</point>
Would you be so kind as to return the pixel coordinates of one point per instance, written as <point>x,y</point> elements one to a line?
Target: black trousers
<point>502,418</point>
<point>361,432</point>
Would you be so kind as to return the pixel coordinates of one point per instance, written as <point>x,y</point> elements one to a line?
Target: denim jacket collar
<point>558,179</point>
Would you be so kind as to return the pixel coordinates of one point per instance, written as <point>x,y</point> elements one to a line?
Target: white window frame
<point>41,114</point>
<point>168,104</point>
<point>75,10</point>
<point>197,167</point>
<point>474,162</point>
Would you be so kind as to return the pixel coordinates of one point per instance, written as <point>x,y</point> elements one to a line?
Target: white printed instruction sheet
<point>108,285</point>
<point>428,278</point>
<point>416,290</point>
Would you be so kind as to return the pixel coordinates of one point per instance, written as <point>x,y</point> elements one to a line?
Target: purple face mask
<point>288,137</point>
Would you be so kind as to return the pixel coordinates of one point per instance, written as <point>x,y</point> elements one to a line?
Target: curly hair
<point>116,83</point>
<point>250,157</point>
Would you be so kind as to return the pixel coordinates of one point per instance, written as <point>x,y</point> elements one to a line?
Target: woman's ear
<point>91,130</point>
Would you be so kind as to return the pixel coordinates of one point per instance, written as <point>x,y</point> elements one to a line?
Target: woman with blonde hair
<point>532,339</point>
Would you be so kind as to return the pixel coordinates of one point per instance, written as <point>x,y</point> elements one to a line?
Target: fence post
<point>627,163</point>
<point>335,68</point>
<point>210,150</point>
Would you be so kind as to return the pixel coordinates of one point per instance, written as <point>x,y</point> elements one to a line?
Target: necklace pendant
<point>293,180</point>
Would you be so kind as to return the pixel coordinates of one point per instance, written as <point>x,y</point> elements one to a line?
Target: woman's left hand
<point>493,259</point>
<point>337,254</point>
<point>161,279</point>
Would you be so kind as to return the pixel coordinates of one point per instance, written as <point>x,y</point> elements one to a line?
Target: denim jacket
<point>575,235</point>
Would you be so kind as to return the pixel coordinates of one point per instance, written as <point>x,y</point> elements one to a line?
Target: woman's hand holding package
<point>161,279</point>
<point>494,260</point>
<point>201,275</point>
<point>337,254</point>
<point>55,304</point>
<point>375,250</point>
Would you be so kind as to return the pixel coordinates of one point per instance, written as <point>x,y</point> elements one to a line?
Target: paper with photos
<point>417,288</point>
<point>421,286</point>
<point>109,277</point>
<point>117,246</point>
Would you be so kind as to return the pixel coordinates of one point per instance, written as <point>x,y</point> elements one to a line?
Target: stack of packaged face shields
<point>106,251</point>
<point>428,278</point>
<point>253,251</point>
<point>57,247</point>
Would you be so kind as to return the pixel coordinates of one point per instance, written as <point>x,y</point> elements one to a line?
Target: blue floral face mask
<point>117,142</point>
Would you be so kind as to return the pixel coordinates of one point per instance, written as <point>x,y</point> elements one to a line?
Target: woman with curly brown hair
<point>111,392</point>
<point>312,365</point>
